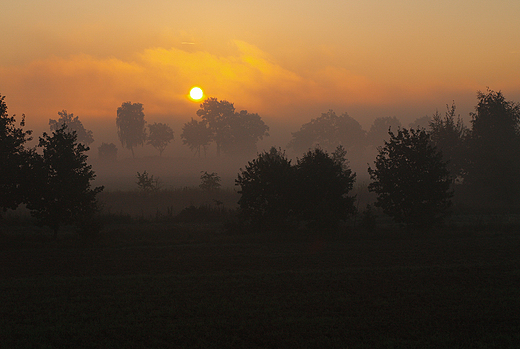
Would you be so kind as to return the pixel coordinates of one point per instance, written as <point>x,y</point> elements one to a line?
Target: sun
<point>196,93</point>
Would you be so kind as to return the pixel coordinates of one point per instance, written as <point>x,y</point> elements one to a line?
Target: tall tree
<point>242,133</point>
<point>378,132</point>
<point>329,131</point>
<point>61,181</point>
<point>160,136</point>
<point>73,124</point>
<point>495,149</point>
<point>324,181</point>
<point>107,152</point>
<point>14,159</point>
<point>267,190</point>
<point>131,125</point>
<point>196,135</point>
<point>217,114</point>
<point>449,135</point>
<point>411,179</point>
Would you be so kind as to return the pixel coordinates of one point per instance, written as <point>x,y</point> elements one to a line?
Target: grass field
<point>159,285</point>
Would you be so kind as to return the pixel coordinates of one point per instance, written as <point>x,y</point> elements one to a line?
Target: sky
<point>288,61</point>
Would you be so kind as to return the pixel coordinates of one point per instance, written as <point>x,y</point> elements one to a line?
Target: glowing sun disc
<point>196,93</point>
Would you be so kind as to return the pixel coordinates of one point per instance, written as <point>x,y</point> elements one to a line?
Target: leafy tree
<point>147,183</point>
<point>378,132</point>
<point>324,181</point>
<point>242,133</point>
<point>421,122</point>
<point>107,152</point>
<point>449,136</point>
<point>131,125</point>
<point>216,114</point>
<point>61,191</point>
<point>276,193</point>
<point>14,159</point>
<point>266,188</point>
<point>160,136</point>
<point>494,145</point>
<point>73,124</point>
<point>196,135</point>
<point>411,179</point>
<point>329,131</point>
<point>209,181</point>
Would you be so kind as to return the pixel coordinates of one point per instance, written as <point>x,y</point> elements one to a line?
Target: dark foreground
<point>160,286</point>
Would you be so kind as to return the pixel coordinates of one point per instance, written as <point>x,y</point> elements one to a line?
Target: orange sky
<point>286,60</point>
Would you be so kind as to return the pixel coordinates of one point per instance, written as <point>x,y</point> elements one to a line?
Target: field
<point>156,285</point>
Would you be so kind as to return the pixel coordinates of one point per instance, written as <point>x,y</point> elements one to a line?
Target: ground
<point>156,285</point>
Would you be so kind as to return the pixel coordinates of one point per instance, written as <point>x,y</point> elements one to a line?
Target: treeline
<point>417,173</point>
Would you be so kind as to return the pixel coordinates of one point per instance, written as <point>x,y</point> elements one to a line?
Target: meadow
<point>164,283</point>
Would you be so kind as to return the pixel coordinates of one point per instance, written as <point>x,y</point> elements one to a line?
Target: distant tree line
<point>416,174</point>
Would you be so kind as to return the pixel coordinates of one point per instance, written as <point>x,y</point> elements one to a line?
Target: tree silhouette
<point>196,135</point>
<point>107,152</point>
<point>421,122</point>
<point>209,181</point>
<point>242,133</point>
<point>73,124</point>
<point>450,136</point>
<point>14,160</point>
<point>266,188</point>
<point>329,131</point>
<point>61,192</point>
<point>131,125</point>
<point>494,145</point>
<point>324,181</point>
<point>216,114</point>
<point>411,179</point>
<point>160,136</point>
<point>378,132</point>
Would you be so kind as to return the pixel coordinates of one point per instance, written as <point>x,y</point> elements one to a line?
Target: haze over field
<point>287,61</point>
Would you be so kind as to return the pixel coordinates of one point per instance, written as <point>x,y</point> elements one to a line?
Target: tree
<point>421,122</point>
<point>73,124</point>
<point>266,188</point>
<point>494,145</point>
<point>324,181</point>
<point>216,114</point>
<point>329,131</point>
<point>411,179</point>
<point>449,136</point>
<point>131,125</point>
<point>61,192</point>
<point>209,181</point>
<point>196,135</point>
<point>160,136</point>
<point>107,152</point>
<point>242,133</point>
<point>147,183</point>
<point>14,159</point>
<point>378,132</point>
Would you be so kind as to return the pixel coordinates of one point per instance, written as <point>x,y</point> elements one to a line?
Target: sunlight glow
<point>196,93</point>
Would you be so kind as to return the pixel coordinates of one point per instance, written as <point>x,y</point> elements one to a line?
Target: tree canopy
<point>494,145</point>
<point>329,131</point>
<point>411,179</point>
<point>131,125</point>
<point>232,132</point>
<point>61,191</point>
<point>14,159</point>
<point>160,136</point>
<point>196,135</point>
<point>73,124</point>
<point>378,132</point>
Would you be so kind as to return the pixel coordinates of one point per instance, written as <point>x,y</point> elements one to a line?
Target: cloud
<point>161,78</point>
